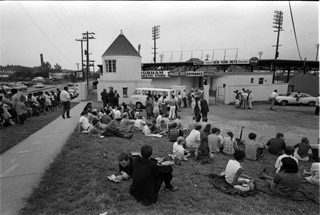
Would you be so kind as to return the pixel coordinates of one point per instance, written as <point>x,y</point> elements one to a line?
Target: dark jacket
<point>143,186</point>
<point>204,106</point>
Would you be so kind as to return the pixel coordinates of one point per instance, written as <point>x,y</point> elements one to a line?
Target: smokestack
<point>139,48</point>
<point>41,59</point>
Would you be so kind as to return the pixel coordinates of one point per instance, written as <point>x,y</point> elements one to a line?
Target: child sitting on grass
<point>253,149</point>
<point>312,176</point>
<point>233,173</point>
<point>178,151</point>
<point>229,144</point>
<point>301,149</point>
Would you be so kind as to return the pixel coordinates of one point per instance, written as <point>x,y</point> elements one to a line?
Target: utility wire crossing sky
<point>206,29</point>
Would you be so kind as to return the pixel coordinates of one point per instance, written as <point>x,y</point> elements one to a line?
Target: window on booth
<point>125,92</point>
<point>251,80</point>
<point>111,66</point>
<point>261,80</point>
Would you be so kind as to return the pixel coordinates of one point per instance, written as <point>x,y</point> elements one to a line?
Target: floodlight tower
<point>278,20</point>
<point>155,36</point>
<point>260,54</point>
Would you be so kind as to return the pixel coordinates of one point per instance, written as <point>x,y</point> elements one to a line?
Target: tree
<point>57,68</point>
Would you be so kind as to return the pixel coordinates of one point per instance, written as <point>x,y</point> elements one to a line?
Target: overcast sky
<point>196,28</point>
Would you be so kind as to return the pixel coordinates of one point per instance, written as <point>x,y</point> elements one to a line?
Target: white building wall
<point>189,82</point>
<point>128,68</point>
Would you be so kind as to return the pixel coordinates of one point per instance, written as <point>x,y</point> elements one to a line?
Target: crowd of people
<point>200,141</point>
<point>16,106</point>
<point>243,99</point>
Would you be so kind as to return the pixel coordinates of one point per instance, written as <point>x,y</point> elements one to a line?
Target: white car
<point>39,85</point>
<point>73,93</point>
<point>291,98</point>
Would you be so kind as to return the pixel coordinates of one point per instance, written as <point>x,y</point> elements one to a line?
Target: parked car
<point>28,83</point>
<point>19,86</point>
<point>73,93</point>
<point>39,85</point>
<point>291,98</point>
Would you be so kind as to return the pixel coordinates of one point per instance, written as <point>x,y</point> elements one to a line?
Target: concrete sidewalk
<point>23,165</point>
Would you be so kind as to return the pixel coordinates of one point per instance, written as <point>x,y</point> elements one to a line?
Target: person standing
<point>112,98</point>
<point>65,100</point>
<point>250,99</point>
<point>104,97</point>
<point>184,98</point>
<point>58,97</point>
<point>116,98</point>
<point>317,105</point>
<point>298,98</point>
<point>148,176</point>
<point>172,105</point>
<point>273,98</point>
<point>204,108</point>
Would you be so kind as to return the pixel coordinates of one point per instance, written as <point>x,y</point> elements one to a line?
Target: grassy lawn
<point>9,137</point>
<point>76,182</point>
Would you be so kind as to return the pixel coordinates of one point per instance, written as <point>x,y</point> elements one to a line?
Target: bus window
<point>154,93</point>
<point>137,92</point>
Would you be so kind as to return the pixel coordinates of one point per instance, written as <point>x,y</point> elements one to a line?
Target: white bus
<point>139,96</point>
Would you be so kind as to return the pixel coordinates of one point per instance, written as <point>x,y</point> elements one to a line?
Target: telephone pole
<point>81,40</point>
<point>87,36</point>
<point>155,36</point>
<point>278,19</point>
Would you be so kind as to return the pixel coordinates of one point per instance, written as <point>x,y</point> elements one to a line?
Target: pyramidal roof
<point>121,46</point>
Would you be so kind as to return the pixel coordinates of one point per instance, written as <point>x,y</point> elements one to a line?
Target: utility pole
<point>155,36</point>
<point>81,40</point>
<point>278,19</point>
<point>87,36</point>
<point>260,54</point>
<point>317,47</point>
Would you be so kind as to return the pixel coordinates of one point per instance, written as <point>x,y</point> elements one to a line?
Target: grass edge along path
<point>9,137</point>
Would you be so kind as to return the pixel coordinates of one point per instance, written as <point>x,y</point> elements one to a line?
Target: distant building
<point>121,69</point>
<point>6,73</point>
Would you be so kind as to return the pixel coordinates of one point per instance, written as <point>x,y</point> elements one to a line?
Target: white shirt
<point>139,123</point>
<point>64,96</point>
<point>117,114</point>
<point>193,137</point>
<point>231,170</point>
<point>278,163</point>
<point>273,95</point>
<point>178,150</point>
<point>84,122</point>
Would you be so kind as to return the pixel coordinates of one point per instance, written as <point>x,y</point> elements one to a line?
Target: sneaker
<point>172,189</point>
<point>69,117</point>
<point>63,116</point>
<point>129,136</point>
<point>101,136</point>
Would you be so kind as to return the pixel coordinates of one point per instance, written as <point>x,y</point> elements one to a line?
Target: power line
<point>294,29</point>
<point>40,29</point>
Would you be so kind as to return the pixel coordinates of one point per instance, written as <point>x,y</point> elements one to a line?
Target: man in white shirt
<point>193,140</point>
<point>273,98</point>
<point>65,100</point>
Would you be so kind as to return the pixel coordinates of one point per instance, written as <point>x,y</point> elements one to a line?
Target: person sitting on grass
<point>126,162</point>
<point>193,141</point>
<point>104,116</point>
<point>174,132</point>
<point>254,150</point>
<point>163,129</point>
<point>102,130</point>
<point>179,152</point>
<point>288,152</point>
<point>234,173</point>
<point>84,125</point>
<point>192,124</point>
<point>214,142</point>
<point>313,174</point>
<point>287,181</point>
<point>126,124</point>
<point>229,144</point>
<point>204,147</point>
<point>139,123</point>
<point>276,145</point>
<point>148,177</point>
<point>301,150</point>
